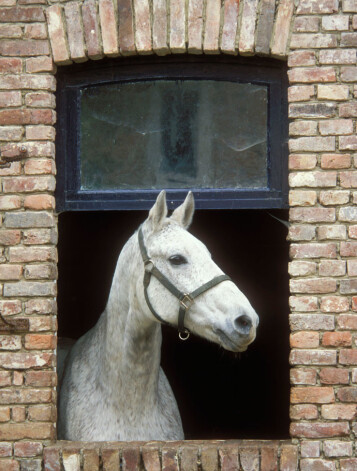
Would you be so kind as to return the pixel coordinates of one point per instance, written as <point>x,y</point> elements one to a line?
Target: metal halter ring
<point>186,301</point>
<point>184,335</point>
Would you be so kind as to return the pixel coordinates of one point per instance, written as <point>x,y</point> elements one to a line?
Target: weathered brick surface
<point>319,40</point>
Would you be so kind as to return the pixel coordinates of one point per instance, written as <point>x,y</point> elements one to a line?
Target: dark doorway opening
<point>220,395</point>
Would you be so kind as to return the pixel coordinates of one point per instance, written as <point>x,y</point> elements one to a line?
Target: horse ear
<point>184,213</point>
<point>158,212</point>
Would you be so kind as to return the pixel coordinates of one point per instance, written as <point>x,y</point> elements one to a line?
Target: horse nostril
<point>243,324</point>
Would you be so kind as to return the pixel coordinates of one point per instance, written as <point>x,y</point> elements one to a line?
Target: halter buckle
<point>184,335</point>
<point>186,301</point>
<point>149,265</point>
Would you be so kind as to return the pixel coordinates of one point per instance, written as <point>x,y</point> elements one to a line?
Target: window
<point>130,129</point>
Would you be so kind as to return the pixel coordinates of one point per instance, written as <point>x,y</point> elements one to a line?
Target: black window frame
<point>71,79</point>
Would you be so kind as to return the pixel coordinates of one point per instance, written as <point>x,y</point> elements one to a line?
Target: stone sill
<point>200,455</point>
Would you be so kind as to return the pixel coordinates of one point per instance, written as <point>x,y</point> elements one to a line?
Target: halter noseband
<point>186,299</point>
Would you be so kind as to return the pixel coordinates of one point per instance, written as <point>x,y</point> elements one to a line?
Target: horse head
<point>179,283</point>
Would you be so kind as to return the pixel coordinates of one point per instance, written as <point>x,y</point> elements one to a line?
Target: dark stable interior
<point>221,395</point>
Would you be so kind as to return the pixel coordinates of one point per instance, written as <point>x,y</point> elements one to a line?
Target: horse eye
<point>177,260</point>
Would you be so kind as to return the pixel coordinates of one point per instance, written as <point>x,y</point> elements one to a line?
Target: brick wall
<point>318,38</point>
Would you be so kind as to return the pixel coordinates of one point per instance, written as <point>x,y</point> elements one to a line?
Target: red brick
<point>159,28</point>
<point>302,161</point>
<point>348,357</point>
<point>39,116</point>
<point>336,127</point>
<point>302,198</point>
<point>177,26</point>
<point>352,267</point>
<point>352,232</point>
<point>348,249</point>
<point>348,142</point>
<point>41,272</point>
<point>280,37</point>
<point>109,28</point>
<point>39,64</point>
<point>248,457</point>
<point>302,268</point>
<point>41,413</point>
<point>40,378</point>
<point>312,144</point>
<point>306,24</point>
<point>35,31</point>
<point>348,110</point>
<point>228,457</point>
<point>319,429</point>
<point>42,324</point>
<point>348,74</point>
<point>212,25</point>
<point>10,31</point>
<point>336,339</point>
<point>32,254</point>
<point>303,128</point>
<point>313,40</point>
<point>27,449</point>
<point>347,394</point>
<point>313,357</point>
<point>56,31</point>
<point>33,430</point>
<point>348,464</point>
<point>10,272</point>
<point>339,411</point>
<point>91,460</point>
<point>5,449</point>
<point>317,6</point>
<point>91,29</point>
<point>39,202</point>
<point>38,167</point>
<point>304,412</point>
<point>39,236</point>
<point>9,99</point>
<point>334,376</point>
<point>310,449</point>
<point>9,465</point>
<point>313,250</point>
<point>301,232</point>
<point>313,285</point>
<point>304,340</point>
<point>289,457</point>
<point>335,22</point>
<point>331,161</point>
<point>11,133</point>
<point>311,322</point>
<point>312,395</point>
<point>312,74</point>
<point>18,413</point>
<point>229,31</point>
<point>75,32</point>
<point>10,65</point>
<point>28,184</point>
<point>337,56</point>
<point>303,303</point>
<point>300,92</point>
<point>51,458</point>
<point>9,202</point>
<point>21,14</point>
<point>10,237</point>
<point>40,306</point>
<point>348,213</point>
<point>40,100</point>
<point>312,215</point>
<point>4,414</point>
<point>194,26</point>
<point>268,457</point>
<point>332,268</point>
<point>19,360</point>
<point>40,341</point>
<point>19,47</point>
<point>303,375</point>
<point>347,321</point>
<point>316,465</point>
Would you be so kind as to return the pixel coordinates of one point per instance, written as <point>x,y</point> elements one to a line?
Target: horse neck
<point>132,341</point>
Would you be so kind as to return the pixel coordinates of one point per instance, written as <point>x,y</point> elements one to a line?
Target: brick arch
<point>94,29</point>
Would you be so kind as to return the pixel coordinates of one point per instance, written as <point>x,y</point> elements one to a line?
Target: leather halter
<point>186,299</point>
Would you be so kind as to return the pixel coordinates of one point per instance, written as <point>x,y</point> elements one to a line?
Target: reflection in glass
<point>174,134</point>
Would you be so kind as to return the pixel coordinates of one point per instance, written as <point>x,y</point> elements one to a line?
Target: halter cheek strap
<point>186,299</point>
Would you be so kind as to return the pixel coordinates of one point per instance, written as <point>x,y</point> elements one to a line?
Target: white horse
<point>113,387</point>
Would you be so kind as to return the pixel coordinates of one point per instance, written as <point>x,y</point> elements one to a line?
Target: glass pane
<point>174,134</point>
